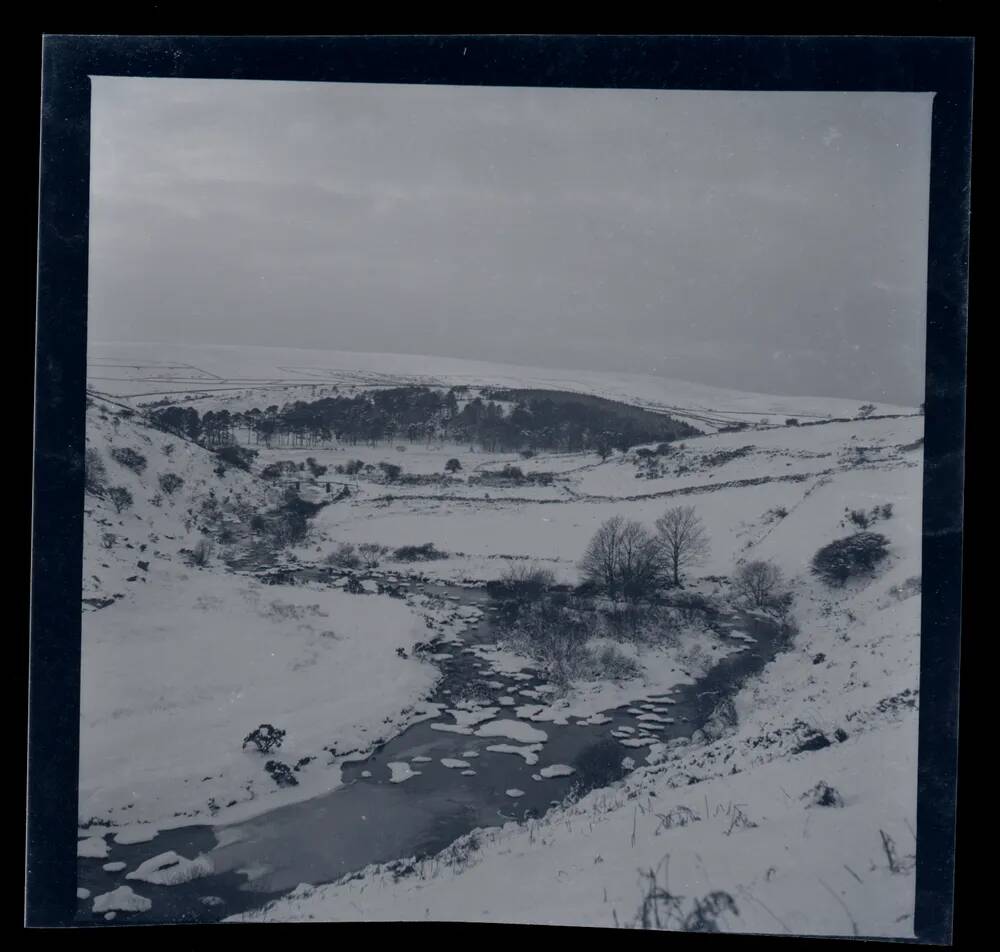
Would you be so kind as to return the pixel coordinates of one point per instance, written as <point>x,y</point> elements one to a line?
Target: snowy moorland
<point>791,810</point>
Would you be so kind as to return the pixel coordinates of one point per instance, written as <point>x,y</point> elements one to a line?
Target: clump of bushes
<point>94,473</point>
<point>371,552</point>
<point>129,458</point>
<point>281,774</point>
<point>345,556</point>
<point>390,471</point>
<point>427,552</point>
<point>265,738</point>
<point>863,519</point>
<point>526,582</point>
<point>315,468</point>
<point>239,456</point>
<point>854,555</point>
<point>289,523</point>
<point>351,468</point>
<point>120,498</point>
<point>278,469</point>
<point>170,483</point>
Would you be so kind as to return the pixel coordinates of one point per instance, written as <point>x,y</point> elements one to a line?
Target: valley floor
<point>181,662</point>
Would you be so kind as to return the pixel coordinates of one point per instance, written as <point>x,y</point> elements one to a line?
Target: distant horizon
<point>491,363</point>
<point>768,242</point>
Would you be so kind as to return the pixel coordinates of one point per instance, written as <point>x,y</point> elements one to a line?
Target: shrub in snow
<point>419,553</point>
<point>201,554</point>
<point>120,498</point>
<point>129,458</point>
<point>860,518</point>
<point>453,465</point>
<point>239,456</point>
<point>661,909</point>
<point>95,474</point>
<point>289,523</point>
<point>281,774</point>
<point>678,816</point>
<point>315,468</point>
<point>823,795</point>
<point>265,738</point>
<point>170,483</point>
<point>344,557</point>
<point>370,552</point>
<point>354,587</point>
<point>758,582</point>
<point>391,471</point>
<point>844,558</point>
<point>616,666</point>
<point>526,582</point>
<point>283,467</point>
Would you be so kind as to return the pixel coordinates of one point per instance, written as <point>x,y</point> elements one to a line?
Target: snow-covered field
<point>181,661</point>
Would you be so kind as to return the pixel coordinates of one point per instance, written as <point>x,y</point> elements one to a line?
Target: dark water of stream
<point>371,819</point>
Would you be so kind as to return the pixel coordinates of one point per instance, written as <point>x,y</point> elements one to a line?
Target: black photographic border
<point>942,65</point>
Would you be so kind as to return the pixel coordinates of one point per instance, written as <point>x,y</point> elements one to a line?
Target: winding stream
<point>373,819</point>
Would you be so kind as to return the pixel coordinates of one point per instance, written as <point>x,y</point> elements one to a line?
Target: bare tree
<point>640,560</point>
<point>623,558</point>
<point>758,582</point>
<point>683,540</point>
<point>370,553</point>
<point>601,558</point>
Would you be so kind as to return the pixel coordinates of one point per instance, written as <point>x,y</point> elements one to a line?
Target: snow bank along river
<point>471,766</point>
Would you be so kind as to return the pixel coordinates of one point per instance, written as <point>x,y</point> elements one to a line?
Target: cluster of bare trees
<point>625,559</point>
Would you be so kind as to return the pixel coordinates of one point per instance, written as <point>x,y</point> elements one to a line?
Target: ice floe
<point>514,730</point>
<point>93,847</point>
<point>171,869</point>
<point>529,753</point>
<point>402,771</point>
<point>557,770</point>
<point>122,899</point>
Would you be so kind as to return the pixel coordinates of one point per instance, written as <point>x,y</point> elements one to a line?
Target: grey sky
<point>763,241</point>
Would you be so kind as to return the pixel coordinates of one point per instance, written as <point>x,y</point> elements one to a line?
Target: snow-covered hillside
<point>181,661</point>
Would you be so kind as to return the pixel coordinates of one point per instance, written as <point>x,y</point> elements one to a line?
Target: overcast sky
<point>774,242</point>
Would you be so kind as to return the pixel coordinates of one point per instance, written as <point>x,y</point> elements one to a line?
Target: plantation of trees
<point>512,420</point>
